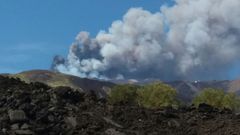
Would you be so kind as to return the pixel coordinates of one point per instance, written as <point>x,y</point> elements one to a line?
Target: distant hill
<point>55,79</point>
<point>186,89</point>
<point>235,86</point>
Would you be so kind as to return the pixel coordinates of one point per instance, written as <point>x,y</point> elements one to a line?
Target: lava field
<point>35,108</point>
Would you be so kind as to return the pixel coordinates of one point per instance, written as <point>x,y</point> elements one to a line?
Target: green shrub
<point>126,93</point>
<point>213,97</point>
<point>231,101</point>
<point>157,95</point>
<point>217,98</point>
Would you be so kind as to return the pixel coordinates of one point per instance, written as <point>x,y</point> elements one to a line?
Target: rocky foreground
<point>28,109</point>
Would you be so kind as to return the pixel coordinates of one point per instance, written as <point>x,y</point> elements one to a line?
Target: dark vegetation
<point>153,109</point>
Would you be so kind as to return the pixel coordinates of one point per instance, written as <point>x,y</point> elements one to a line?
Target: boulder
<point>205,108</point>
<point>112,131</point>
<point>17,115</point>
<point>15,126</point>
<point>71,122</point>
<point>25,126</point>
<point>24,132</point>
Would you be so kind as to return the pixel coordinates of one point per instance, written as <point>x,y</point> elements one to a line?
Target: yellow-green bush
<point>231,101</point>
<point>210,96</point>
<point>157,95</point>
<point>217,98</point>
<point>126,93</point>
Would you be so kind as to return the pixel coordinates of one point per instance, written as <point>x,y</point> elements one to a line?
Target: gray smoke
<point>194,39</point>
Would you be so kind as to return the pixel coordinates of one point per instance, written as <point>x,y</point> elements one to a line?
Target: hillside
<point>55,79</point>
<point>186,89</point>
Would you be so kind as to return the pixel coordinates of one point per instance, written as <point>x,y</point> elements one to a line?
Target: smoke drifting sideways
<point>194,39</point>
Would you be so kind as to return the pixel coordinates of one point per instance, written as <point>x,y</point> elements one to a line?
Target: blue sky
<point>33,31</point>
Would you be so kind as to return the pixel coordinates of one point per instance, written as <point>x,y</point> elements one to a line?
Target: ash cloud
<point>194,39</point>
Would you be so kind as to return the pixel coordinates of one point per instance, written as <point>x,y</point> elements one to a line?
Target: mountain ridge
<point>186,89</point>
<point>55,79</point>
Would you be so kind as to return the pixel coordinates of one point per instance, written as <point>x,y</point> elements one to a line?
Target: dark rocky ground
<point>35,108</point>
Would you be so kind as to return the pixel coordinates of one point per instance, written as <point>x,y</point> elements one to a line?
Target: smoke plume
<point>194,39</point>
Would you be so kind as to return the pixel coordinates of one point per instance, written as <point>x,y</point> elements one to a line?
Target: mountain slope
<point>55,79</point>
<point>186,89</point>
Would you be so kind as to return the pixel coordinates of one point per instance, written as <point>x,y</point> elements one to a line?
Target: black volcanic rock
<point>37,109</point>
<point>17,116</point>
<point>205,108</point>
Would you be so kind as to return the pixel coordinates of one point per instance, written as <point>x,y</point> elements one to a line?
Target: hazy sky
<point>33,31</point>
